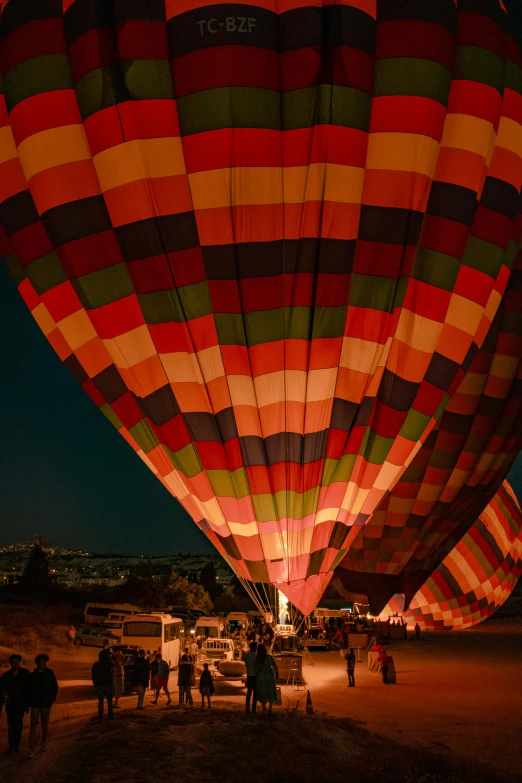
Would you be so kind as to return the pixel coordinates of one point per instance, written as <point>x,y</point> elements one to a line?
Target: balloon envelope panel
<point>268,238</point>
<point>461,462</point>
<point>477,576</point>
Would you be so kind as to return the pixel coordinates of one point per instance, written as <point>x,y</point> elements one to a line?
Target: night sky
<point>64,471</point>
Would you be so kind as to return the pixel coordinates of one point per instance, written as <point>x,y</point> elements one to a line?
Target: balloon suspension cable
<point>256,597</point>
<point>248,587</point>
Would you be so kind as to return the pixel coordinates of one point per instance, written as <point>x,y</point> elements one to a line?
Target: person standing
<point>162,678</point>
<point>185,672</point>
<point>43,690</point>
<point>417,631</point>
<point>206,686</point>
<point>194,649</point>
<point>140,676</point>
<point>391,677</point>
<point>384,661</point>
<point>339,637</point>
<point>266,673</point>
<point>250,663</point>
<point>14,693</point>
<point>386,632</point>
<point>103,681</point>
<point>71,636</point>
<point>118,674</point>
<point>153,671</point>
<point>350,667</point>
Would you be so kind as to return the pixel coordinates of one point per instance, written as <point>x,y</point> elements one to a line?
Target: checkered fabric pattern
<point>461,463</point>
<point>268,238</point>
<point>477,576</point>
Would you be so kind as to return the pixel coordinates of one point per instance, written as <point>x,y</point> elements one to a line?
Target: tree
<point>208,576</point>
<point>183,594</point>
<point>140,589</point>
<point>174,590</point>
<point>237,588</point>
<point>209,579</point>
<point>36,575</point>
<point>227,602</point>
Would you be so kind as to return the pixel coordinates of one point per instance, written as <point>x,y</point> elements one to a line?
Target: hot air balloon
<point>268,238</point>
<point>476,577</point>
<point>454,474</point>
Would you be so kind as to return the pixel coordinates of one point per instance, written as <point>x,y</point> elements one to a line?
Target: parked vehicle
<point>130,653</point>
<point>225,662</point>
<point>213,651</point>
<point>112,625</point>
<point>155,631</point>
<point>287,653</point>
<point>325,614</point>
<point>94,636</point>
<point>210,627</point>
<point>189,617</point>
<point>237,622</point>
<point>98,613</point>
<point>315,634</point>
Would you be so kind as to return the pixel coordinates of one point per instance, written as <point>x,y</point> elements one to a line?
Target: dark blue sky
<point>65,473</point>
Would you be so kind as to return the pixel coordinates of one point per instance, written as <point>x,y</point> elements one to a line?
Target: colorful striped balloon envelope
<point>476,577</point>
<point>268,239</point>
<point>455,473</point>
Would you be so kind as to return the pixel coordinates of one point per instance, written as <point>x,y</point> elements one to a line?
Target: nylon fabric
<point>476,577</point>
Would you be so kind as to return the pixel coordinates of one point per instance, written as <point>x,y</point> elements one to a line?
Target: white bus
<point>99,613</point>
<point>156,632</point>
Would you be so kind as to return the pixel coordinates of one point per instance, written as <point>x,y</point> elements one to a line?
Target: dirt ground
<point>457,692</point>
<point>457,698</point>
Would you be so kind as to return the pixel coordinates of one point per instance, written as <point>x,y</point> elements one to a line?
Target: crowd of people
<point>23,692</point>
<point>150,671</point>
<point>261,633</point>
<point>337,629</point>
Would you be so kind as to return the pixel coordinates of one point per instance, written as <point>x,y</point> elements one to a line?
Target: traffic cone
<point>309,707</point>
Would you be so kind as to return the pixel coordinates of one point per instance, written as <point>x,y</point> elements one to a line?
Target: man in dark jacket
<point>350,667</point>
<point>185,672</point>
<point>43,690</point>
<point>250,663</point>
<point>140,676</point>
<point>384,661</point>
<point>14,693</point>
<point>102,679</point>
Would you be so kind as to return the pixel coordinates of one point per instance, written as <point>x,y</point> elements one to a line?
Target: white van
<point>210,628</point>
<point>99,613</point>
